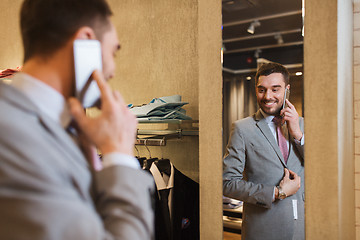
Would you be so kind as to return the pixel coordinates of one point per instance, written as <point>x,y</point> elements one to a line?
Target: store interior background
<point>278,38</point>
<point>150,65</point>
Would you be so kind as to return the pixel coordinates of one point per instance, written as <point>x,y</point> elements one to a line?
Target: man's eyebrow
<point>273,86</point>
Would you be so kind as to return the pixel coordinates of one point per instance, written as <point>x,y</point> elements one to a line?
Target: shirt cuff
<point>301,142</point>
<point>115,158</point>
<point>274,194</point>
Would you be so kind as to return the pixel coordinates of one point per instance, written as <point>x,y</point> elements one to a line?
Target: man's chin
<point>270,111</point>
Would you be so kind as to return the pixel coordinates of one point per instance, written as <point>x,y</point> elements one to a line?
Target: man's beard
<point>275,112</point>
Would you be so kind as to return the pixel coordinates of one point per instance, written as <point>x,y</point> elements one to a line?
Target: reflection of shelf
<point>232,219</point>
<point>158,137</point>
<point>237,212</point>
<point>172,121</point>
<point>234,210</point>
<point>179,132</point>
<point>233,223</point>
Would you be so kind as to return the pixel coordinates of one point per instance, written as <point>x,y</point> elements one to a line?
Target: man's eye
<point>261,91</point>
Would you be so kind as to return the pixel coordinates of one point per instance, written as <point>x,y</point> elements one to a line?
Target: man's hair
<point>46,25</point>
<point>268,68</point>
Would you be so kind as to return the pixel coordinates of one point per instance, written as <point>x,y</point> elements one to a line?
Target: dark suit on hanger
<point>184,210</point>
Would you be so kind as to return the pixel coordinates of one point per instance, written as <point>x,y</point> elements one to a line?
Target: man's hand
<point>290,184</point>
<point>291,117</point>
<point>115,129</point>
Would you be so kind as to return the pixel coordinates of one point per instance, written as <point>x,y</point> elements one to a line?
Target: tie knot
<point>164,193</point>
<point>277,120</point>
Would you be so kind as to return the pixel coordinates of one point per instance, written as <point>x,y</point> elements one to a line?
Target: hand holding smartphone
<point>286,96</point>
<point>87,58</point>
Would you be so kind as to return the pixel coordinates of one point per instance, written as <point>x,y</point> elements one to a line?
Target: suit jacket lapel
<point>19,100</point>
<point>292,149</point>
<point>64,138</point>
<point>265,130</point>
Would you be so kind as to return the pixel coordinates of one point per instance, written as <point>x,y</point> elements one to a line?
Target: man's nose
<point>268,95</point>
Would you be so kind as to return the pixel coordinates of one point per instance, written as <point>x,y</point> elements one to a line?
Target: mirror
<point>255,32</point>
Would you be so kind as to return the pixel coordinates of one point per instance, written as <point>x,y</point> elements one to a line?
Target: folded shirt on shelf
<point>9,72</point>
<point>162,108</point>
<point>229,203</point>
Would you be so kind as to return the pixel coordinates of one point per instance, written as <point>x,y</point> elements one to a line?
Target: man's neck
<point>54,71</point>
<point>268,115</point>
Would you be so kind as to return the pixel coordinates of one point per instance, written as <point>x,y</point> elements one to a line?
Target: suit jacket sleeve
<point>234,183</point>
<point>299,147</point>
<point>123,200</point>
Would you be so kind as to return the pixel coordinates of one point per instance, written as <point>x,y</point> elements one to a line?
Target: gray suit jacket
<point>253,165</point>
<point>47,190</point>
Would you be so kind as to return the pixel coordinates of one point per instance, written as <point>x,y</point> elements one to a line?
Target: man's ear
<point>85,33</point>
<point>288,87</point>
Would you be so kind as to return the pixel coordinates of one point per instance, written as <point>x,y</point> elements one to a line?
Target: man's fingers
<point>290,104</point>
<point>105,89</point>
<point>117,95</point>
<point>77,111</point>
<point>119,98</point>
<point>292,174</point>
<point>286,173</point>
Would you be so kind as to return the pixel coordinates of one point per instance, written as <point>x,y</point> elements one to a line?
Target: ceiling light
<point>298,73</point>
<point>253,25</point>
<point>279,38</point>
<point>248,78</point>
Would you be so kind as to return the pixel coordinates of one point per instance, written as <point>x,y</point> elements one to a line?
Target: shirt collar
<point>47,99</point>
<point>159,180</point>
<point>268,118</point>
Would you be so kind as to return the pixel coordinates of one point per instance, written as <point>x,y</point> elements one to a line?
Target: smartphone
<point>87,58</point>
<point>286,96</point>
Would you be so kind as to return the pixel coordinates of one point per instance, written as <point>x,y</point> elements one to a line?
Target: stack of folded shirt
<point>229,203</point>
<point>9,72</point>
<point>161,109</point>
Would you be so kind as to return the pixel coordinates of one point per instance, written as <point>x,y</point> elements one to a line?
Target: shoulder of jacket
<point>245,121</point>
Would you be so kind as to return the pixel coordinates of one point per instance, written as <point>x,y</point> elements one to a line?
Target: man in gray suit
<point>267,176</point>
<point>52,186</point>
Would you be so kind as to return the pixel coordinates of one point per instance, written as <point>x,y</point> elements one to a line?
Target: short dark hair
<point>268,68</point>
<point>46,25</point>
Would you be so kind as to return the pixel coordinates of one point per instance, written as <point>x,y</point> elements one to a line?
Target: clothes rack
<point>159,137</point>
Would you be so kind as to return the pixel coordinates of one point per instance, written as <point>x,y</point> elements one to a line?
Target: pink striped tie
<point>95,159</point>
<point>281,138</point>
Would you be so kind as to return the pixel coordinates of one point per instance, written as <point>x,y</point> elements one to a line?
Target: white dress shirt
<point>163,181</point>
<point>54,105</point>
<point>272,126</point>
